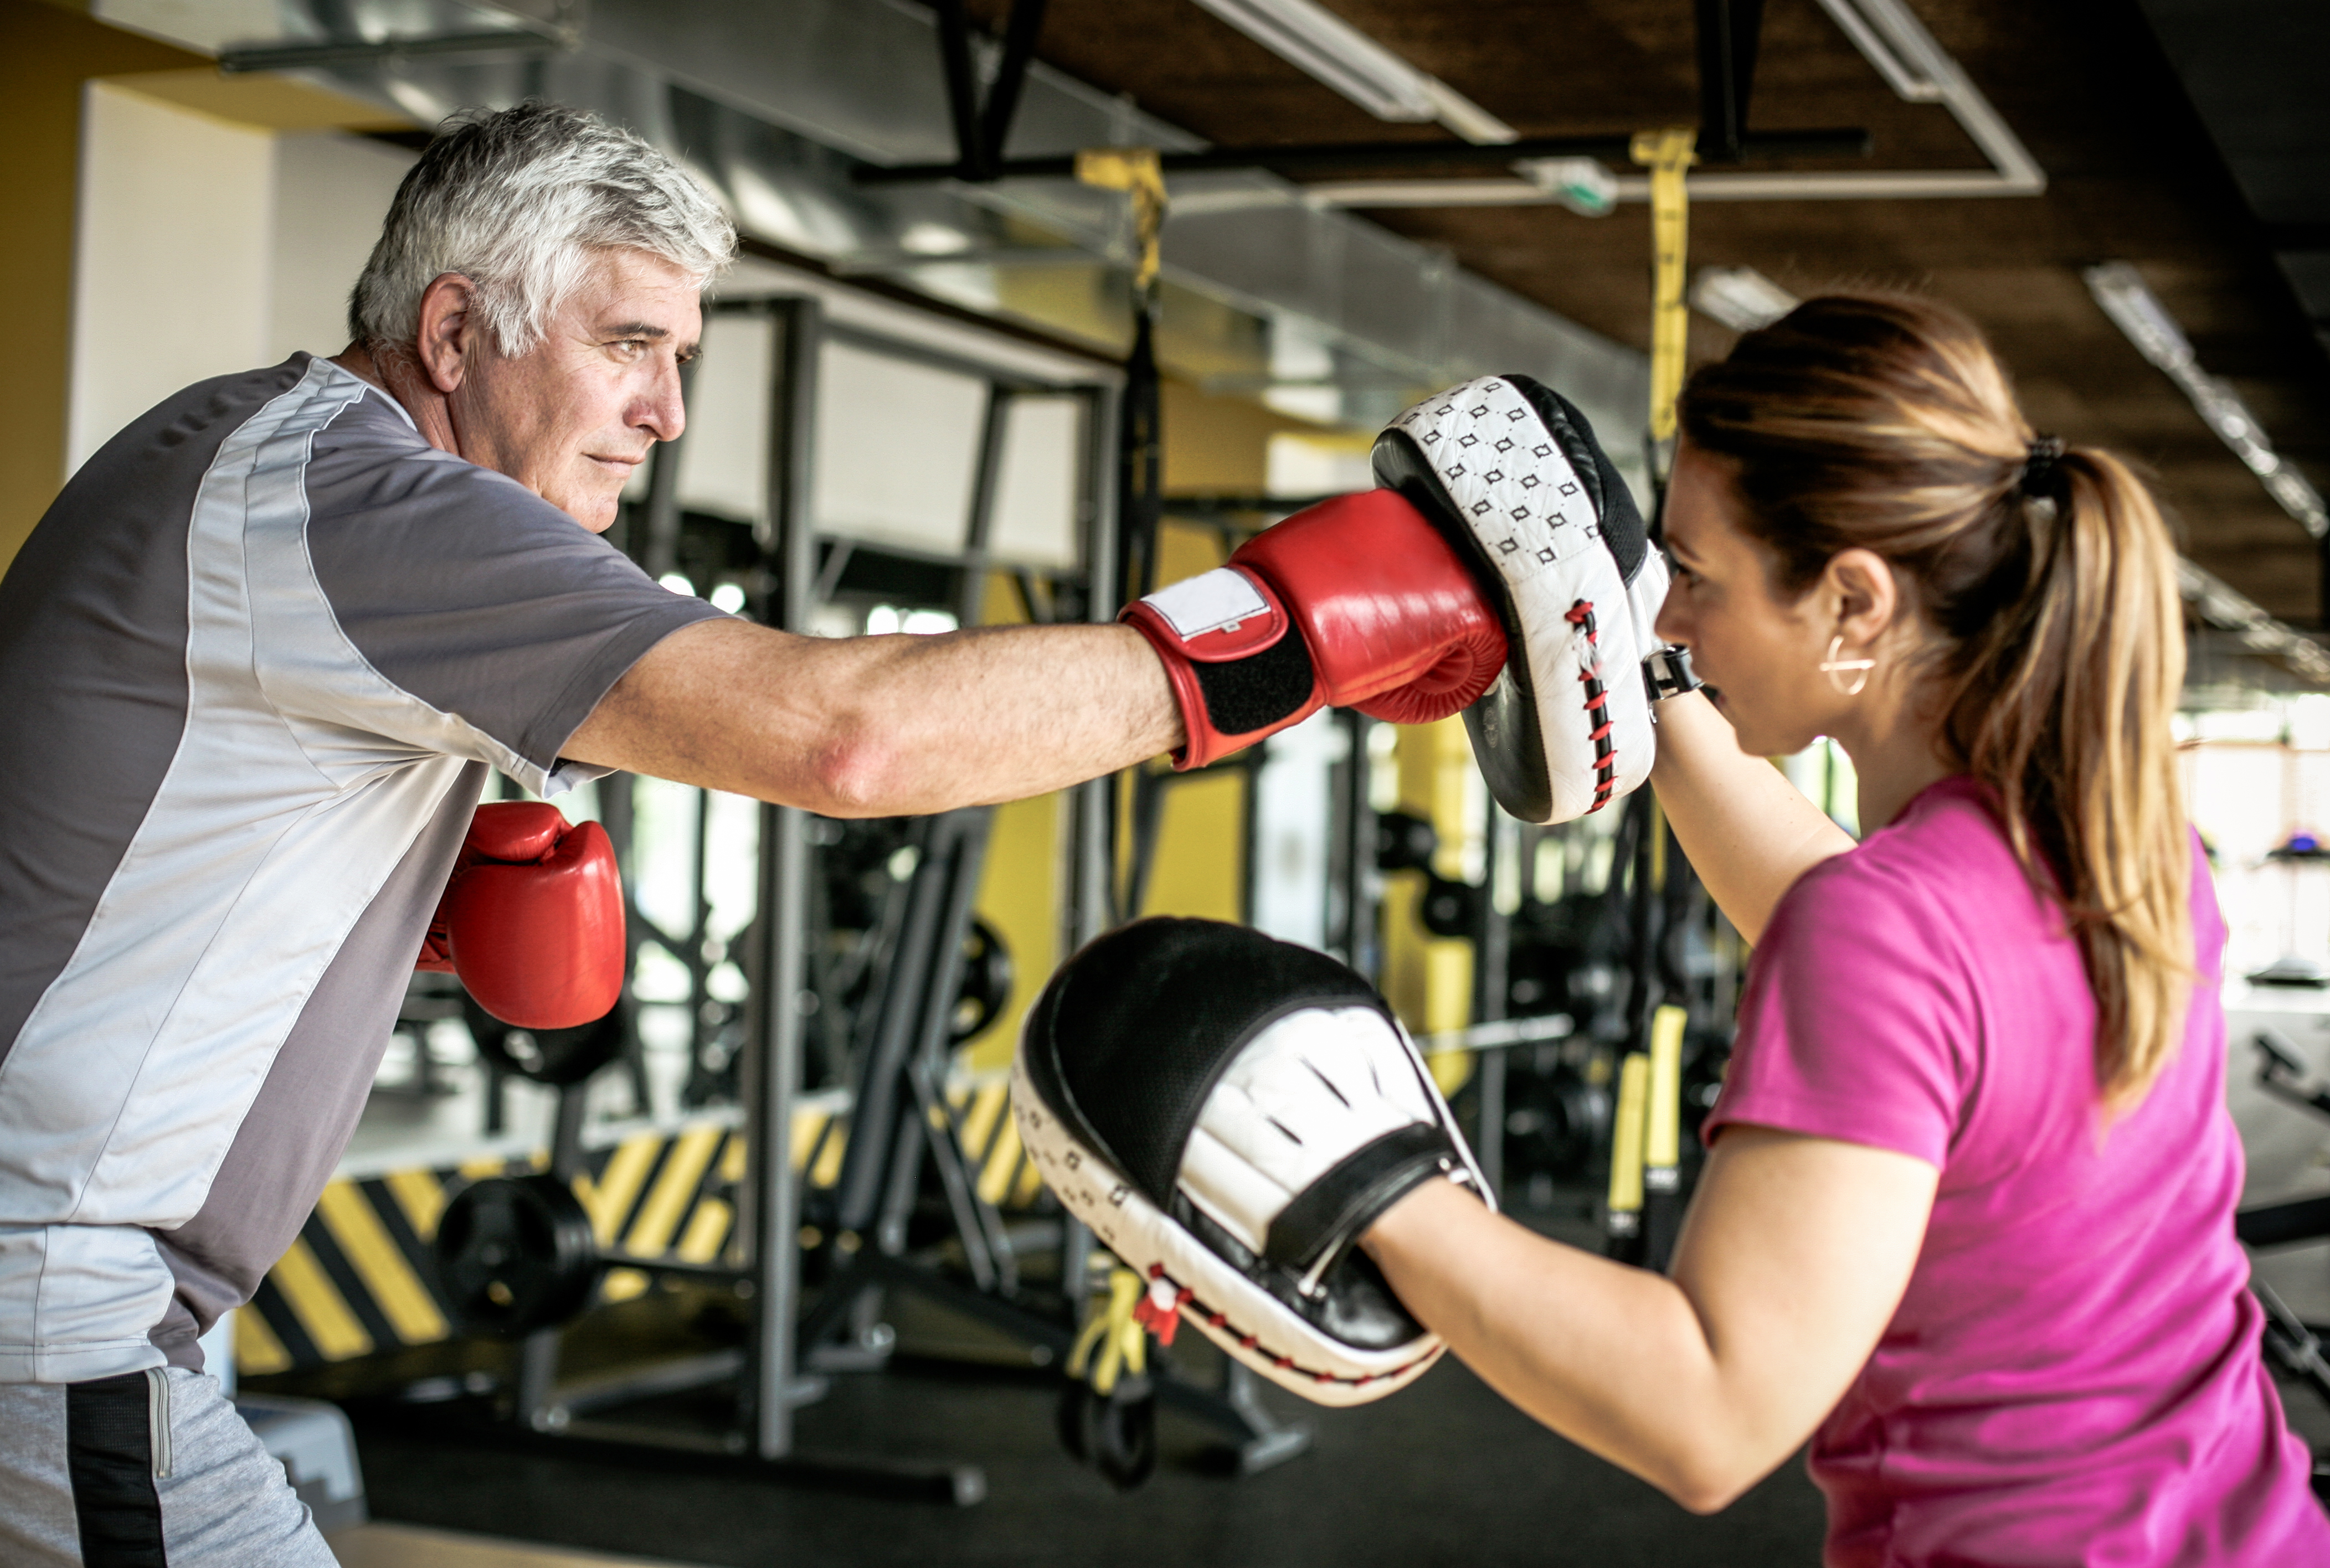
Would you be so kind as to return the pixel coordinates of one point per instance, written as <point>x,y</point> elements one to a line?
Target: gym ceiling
<point>2188,136</point>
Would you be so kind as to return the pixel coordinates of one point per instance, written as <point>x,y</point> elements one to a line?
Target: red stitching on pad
<point>1606,752</point>
<point>1215,1318</point>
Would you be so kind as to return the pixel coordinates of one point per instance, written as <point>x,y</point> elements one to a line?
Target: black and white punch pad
<point>1510,472</point>
<point>1124,1055</point>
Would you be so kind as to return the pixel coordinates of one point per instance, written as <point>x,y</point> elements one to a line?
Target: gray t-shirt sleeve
<point>480,599</point>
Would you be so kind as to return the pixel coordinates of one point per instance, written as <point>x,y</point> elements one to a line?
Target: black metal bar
<point>2278,1224</point>
<point>1728,31</point>
<point>789,546</point>
<point>1844,142</point>
<point>1003,94</point>
<point>659,551</point>
<point>961,87</point>
<point>236,61</point>
<point>971,597</point>
<point>874,1106</point>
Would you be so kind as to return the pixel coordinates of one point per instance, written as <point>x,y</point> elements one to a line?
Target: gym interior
<point>1040,305</point>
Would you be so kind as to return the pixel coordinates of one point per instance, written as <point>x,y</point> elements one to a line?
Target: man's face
<point>572,418</point>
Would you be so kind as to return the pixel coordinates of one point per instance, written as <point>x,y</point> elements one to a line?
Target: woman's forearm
<point>1612,1357</point>
<point>1748,832</point>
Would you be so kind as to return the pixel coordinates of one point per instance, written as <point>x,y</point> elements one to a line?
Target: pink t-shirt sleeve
<point>1855,1022</point>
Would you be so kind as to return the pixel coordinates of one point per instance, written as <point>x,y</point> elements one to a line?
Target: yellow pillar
<point>1428,980</point>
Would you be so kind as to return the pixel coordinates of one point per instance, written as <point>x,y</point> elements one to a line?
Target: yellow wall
<point>49,52</point>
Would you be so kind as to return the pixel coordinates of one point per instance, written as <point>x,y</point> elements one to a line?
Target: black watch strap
<point>1667,673</point>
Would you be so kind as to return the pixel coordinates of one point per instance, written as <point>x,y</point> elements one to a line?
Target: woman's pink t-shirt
<point>2073,1375</point>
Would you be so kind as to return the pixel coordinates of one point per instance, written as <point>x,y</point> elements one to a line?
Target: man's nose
<point>663,411</point>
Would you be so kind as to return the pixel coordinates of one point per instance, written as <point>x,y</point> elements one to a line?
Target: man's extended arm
<point>882,726</point>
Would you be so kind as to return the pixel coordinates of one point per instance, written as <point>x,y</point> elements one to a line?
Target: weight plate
<point>986,988</point>
<point>515,1254</point>
<point>557,1057</point>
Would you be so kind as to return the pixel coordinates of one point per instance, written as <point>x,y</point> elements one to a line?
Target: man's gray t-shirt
<point>254,665</point>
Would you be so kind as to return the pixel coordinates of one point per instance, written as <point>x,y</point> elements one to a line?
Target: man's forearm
<point>1748,832</point>
<point>882,726</point>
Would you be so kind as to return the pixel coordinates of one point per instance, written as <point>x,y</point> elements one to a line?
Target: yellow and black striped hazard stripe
<point>361,1276</point>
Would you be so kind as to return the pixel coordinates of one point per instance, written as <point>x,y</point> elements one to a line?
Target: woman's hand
<point>1792,1261</point>
<point>1748,832</point>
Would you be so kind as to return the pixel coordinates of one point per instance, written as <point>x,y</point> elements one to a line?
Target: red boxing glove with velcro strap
<point>1356,602</point>
<point>532,918</point>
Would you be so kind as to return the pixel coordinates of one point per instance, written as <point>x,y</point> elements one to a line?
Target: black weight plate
<point>515,1254</point>
<point>557,1057</point>
<point>1124,1433</point>
<point>986,987</point>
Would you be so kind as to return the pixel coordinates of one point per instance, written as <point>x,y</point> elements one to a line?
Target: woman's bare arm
<point>883,726</point>
<point>1791,1263</point>
<point>1748,832</point>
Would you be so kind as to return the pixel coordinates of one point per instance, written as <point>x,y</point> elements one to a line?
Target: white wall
<point>206,247</point>
<point>331,192</point>
<point>172,270</point>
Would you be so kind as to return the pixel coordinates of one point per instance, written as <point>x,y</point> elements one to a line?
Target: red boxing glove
<point>532,920</point>
<point>1384,617</point>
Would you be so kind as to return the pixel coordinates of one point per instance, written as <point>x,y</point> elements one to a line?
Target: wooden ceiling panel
<point>2133,175</point>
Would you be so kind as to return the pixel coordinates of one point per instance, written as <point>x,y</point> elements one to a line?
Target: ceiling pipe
<point>1896,44</point>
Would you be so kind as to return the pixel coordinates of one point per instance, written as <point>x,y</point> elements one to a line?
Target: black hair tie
<point>2039,467</point>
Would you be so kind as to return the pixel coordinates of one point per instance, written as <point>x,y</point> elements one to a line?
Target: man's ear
<point>1867,598</point>
<point>447,330</point>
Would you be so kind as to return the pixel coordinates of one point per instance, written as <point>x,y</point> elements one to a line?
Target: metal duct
<point>775,103</point>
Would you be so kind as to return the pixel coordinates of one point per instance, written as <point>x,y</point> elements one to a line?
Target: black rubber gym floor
<point>1446,1473</point>
<point>1443,1473</point>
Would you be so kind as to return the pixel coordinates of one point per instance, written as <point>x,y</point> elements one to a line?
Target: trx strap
<point>1667,154</point>
<point>1136,172</point>
<point>1140,436</point>
<point>1115,1337</point>
<point>1624,1216</point>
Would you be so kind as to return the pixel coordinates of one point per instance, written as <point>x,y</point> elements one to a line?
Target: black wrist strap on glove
<point>1667,673</point>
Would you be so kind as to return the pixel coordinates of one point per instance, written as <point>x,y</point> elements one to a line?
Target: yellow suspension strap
<point>1136,172</point>
<point>1623,1218</point>
<point>1667,154</point>
<point>1663,1138</point>
<point>1108,1407</point>
<point>1114,1340</point>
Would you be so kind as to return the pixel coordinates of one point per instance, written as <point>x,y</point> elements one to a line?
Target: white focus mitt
<point>1512,473</point>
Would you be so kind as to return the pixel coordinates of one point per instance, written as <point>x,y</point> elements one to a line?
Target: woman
<point>1966,1219</point>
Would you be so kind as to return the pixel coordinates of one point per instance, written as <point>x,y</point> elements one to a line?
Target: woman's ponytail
<point>2064,708</point>
<point>1884,422</point>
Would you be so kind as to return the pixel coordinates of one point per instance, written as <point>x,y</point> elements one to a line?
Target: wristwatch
<point>1667,673</point>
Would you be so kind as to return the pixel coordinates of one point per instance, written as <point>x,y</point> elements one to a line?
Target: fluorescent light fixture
<point>1740,298</point>
<point>1314,39</point>
<point>2123,295</point>
<point>1584,185</point>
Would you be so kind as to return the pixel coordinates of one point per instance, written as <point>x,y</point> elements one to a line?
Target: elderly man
<point>254,667</point>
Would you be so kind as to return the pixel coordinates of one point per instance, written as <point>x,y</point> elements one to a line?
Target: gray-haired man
<point>254,665</point>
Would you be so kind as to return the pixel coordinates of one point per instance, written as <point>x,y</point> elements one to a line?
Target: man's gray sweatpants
<point>149,1470</point>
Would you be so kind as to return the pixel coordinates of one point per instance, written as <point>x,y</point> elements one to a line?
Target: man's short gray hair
<point>518,201</point>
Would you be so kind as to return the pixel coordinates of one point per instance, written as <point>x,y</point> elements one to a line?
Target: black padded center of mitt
<point>1243,695</point>
<point>1136,1029</point>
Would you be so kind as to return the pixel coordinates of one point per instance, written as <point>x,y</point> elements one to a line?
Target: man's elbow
<point>857,772</point>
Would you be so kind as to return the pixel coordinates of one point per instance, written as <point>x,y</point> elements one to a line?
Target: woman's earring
<point>1832,664</point>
